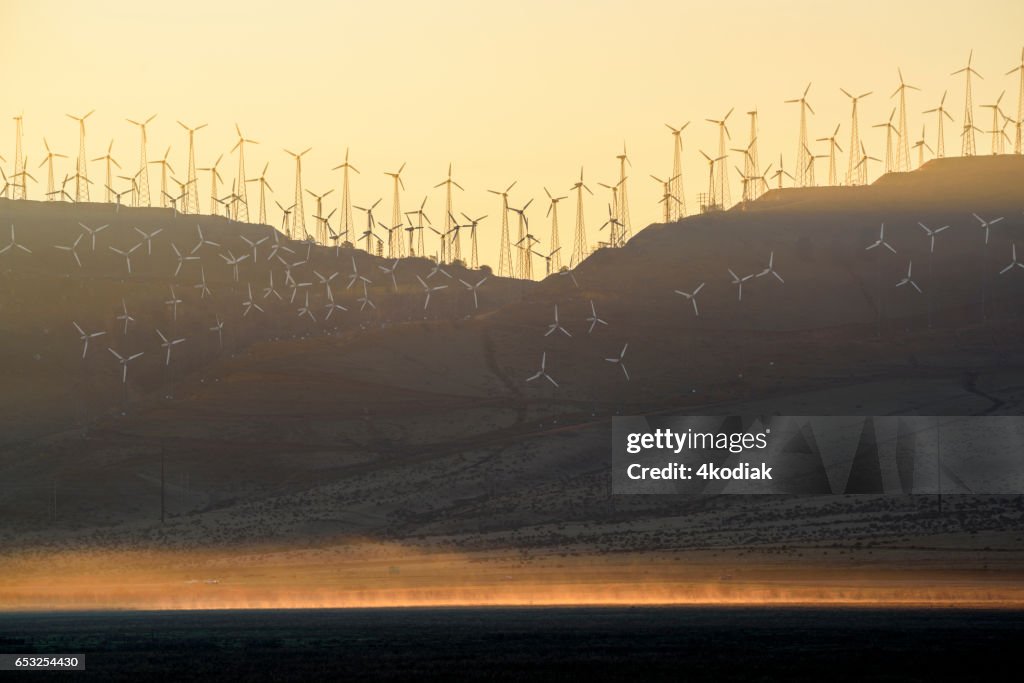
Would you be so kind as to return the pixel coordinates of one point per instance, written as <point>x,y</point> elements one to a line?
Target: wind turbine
<point>997,132</point>
<point>124,316</point>
<point>712,193</point>
<point>248,305</point>
<point>164,165</point>
<point>880,242</point>
<point>241,207</point>
<point>553,213</point>
<point>173,302</point>
<point>92,232</point>
<point>215,177</point>
<point>622,201</point>
<point>1014,262</point>
<point>801,154</point>
<point>722,186</point>
<point>167,344</point>
<point>556,326</point>
<point>921,145</point>
<point>594,320</point>
<point>19,159</point>
<point>903,150</point>
<point>618,361</point>
<point>181,259</point>
<point>192,197</point>
<point>853,177</point>
<point>780,173</point>
<point>299,217</point>
<point>269,289</point>
<point>692,297</point>
<point>833,145</point>
<point>416,231</point>
<point>234,261</point>
<point>345,220</point>
<point>204,291</point>
<point>676,189</point>
<point>395,237</point>
<point>864,158</point>
<point>667,197</point>
<point>264,186</point>
<point>124,362</point>
<point>474,288</point>
<point>331,305</point>
<point>543,372</point>
<point>1017,142</point>
<point>940,113</point>
<point>580,248</point>
<point>987,225</point>
<point>127,254</point>
<point>82,172</point>
<point>143,174</point>
<point>908,279</point>
<point>455,246</point>
<point>738,281</point>
<point>525,270</point>
<point>968,147</point>
<point>770,269</point>
<point>85,337</point>
<point>370,224</point>
<point>147,238</point>
<point>218,327</point>
<point>890,161</point>
<point>474,261</point>
<point>72,249</point>
<point>321,223</point>
<point>505,265</point>
<point>48,161</point>
<point>428,290</point>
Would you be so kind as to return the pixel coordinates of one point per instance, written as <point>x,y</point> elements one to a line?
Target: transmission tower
<point>802,156</point>
<point>345,220</point>
<point>967,143</point>
<point>505,266</point>
<point>678,209</point>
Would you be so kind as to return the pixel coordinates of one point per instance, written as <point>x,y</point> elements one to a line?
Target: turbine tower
<point>1017,142</point>
<point>142,182</point>
<point>624,222</point>
<point>345,220</point>
<point>722,172</point>
<point>967,144</point>
<point>19,159</point>
<point>941,113</point>
<point>505,265</point>
<point>82,172</point>
<point>903,143</point>
<point>856,174</point>
<point>554,244</point>
<point>299,213</point>
<point>579,242</point>
<point>109,177</point>
<point>455,244</point>
<point>191,182</point>
<point>802,157</point>
<point>678,209</point>
<point>241,203</point>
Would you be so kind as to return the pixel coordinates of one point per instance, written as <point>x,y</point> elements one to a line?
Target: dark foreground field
<point>527,644</point>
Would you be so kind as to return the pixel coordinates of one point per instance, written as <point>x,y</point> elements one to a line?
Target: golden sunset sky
<point>526,90</point>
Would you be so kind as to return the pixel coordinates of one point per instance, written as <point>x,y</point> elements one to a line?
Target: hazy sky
<point>525,90</point>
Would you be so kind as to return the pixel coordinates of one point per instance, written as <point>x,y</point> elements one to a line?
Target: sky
<point>527,91</point>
